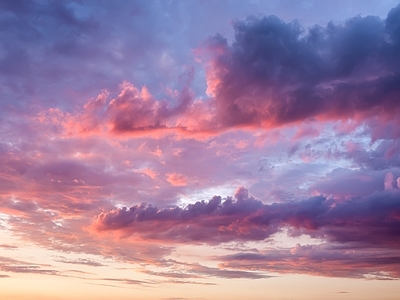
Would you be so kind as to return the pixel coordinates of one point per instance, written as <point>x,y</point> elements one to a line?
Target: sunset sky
<point>187,150</point>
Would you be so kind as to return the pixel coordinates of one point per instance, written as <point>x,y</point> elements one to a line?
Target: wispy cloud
<point>80,261</point>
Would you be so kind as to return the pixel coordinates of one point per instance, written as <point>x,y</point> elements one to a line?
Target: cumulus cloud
<point>369,221</point>
<point>276,72</point>
<point>214,221</point>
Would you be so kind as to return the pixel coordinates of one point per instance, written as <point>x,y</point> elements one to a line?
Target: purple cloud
<point>276,72</point>
<point>372,220</point>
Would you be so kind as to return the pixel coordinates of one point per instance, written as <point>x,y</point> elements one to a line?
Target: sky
<point>187,150</point>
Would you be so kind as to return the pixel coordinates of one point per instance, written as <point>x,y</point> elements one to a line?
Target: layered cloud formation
<point>142,154</point>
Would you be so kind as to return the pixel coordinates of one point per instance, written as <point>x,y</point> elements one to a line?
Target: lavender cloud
<point>196,270</point>
<point>326,260</point>
<point>17,266</point>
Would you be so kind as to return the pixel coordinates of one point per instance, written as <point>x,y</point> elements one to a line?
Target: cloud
<point>127,281</point>
<point>76,173</point>
<point>212,222</point>
<point>135,110</point>
<point>189,282</point>
<point>16,266</point>
<point>196,270</point>
<point>276,73</point>
<point>225,273</point>
<point>46,47</point>
<point>273,73</point>
<point>369,221</point>
<point>326,260</point>
<point>80,261</point>
<point>360,235</point>
<point>30,269</point>
<point>346,183</point>
<point>384,156</point>
<point>8,247</point>
<point>389,181</point>
<point>176,179</point>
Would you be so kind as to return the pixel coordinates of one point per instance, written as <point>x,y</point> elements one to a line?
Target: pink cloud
<point>389,182</point>
<point>149,172</point>
<point>176,179</point>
